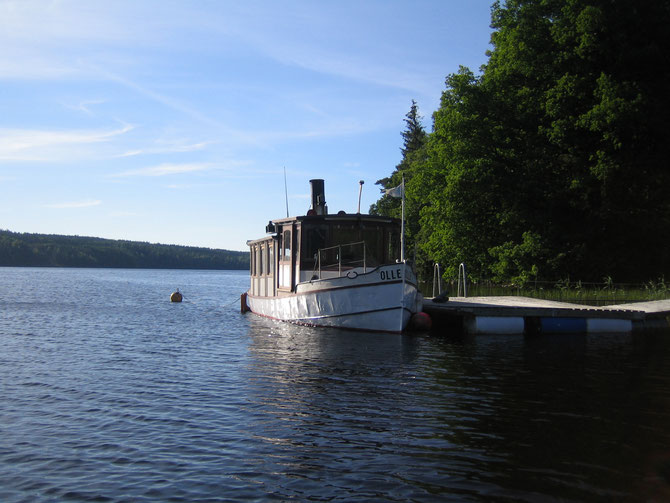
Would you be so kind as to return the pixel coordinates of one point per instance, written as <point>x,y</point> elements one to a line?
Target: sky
<point>172,121</point>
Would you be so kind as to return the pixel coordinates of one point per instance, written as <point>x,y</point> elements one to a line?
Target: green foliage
<point>414,136</point>
<point>517,261</point>
<point>552,162</point>
<point>658,287</point>
<point>18,249</point>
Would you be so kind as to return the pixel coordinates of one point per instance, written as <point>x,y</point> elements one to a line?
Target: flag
<point>398,191</point>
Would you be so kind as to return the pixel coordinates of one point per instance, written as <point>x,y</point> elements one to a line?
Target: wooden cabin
<point>320,246</point>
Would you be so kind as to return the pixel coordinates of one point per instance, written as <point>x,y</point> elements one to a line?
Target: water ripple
<point>118,395</point>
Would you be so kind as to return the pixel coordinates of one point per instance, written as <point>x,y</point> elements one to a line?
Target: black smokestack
<point>318,197</point>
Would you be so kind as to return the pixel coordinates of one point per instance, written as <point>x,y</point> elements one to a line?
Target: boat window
<point>393,246</point>
<point>342,244</point>
<point>261,265</point>
<point>345,234</point>
<point>373,235</point>
<point>252,261</point>
<point>286,252</point>
<point>314,237</point>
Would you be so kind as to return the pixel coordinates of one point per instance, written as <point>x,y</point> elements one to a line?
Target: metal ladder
<point>462,273</point>
<point>437,279</point>
<point>462,280</point>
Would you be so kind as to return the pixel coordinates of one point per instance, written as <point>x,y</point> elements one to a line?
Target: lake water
<point>109,392</point>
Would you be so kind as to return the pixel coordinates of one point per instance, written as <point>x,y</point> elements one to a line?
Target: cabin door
<point>286,258</point>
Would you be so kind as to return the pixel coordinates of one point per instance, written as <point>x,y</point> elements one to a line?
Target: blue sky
<point>172,121</point>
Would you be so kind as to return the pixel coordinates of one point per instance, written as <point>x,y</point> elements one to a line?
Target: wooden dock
<point>527,315</point>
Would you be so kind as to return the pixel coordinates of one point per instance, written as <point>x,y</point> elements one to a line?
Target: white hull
<point>381,300</point>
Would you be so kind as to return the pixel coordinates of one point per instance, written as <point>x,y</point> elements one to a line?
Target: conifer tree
<point>414,138</point>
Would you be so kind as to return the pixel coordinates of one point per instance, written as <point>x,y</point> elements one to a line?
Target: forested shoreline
<point>45,250</point>
<point>553,161</point>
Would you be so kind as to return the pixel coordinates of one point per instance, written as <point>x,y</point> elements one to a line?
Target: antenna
<point>286,191</point>
<point>360,191</point>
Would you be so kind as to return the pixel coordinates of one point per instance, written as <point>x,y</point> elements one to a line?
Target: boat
<point>333,270</point>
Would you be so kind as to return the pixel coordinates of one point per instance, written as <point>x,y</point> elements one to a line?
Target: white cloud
<point>44,145</point>
<point>84,106</point>
<point>167,148</point>
<point>34,66</point>
<point>356,41</point>
<point>55,40</point>
<point>167,169</point>
<point>123,214</point>
<point>75,204</point>
<point>182,186</point>
<point>40,21</point>
<point>230,167</point>
<point>45,40</point>
<point>157,97</point>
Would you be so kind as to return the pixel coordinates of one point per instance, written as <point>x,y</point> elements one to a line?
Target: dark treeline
<point>21,250</point>
<point>553,161</point>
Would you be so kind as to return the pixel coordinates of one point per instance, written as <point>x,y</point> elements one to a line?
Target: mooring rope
<point>190,301</point>
<point>231,303</point>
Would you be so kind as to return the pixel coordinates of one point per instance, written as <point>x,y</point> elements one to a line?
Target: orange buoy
<point>176,297</point>
<point>420,321</point>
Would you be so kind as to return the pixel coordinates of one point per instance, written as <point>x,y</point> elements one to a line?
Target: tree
<point>414,138</point>
<point>553,161</point>
<point>74,251</point>
<point>459,180</point>
<point>413,151</point>
<point>584,80</point>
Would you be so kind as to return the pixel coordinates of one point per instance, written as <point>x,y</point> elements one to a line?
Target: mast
<point>402,224</point>
<point>402,251</point>
<point>286,191</point>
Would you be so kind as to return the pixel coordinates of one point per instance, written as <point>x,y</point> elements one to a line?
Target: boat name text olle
<point>390,275</point>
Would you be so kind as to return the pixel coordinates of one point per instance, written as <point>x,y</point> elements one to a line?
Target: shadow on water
<point>490,417</point>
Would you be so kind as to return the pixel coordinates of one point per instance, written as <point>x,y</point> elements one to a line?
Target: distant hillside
<point>18,249</point>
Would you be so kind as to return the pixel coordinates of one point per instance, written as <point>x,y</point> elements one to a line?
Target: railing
<point>337,258</point>
<point>462,273</point>
<point>437,279</point>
